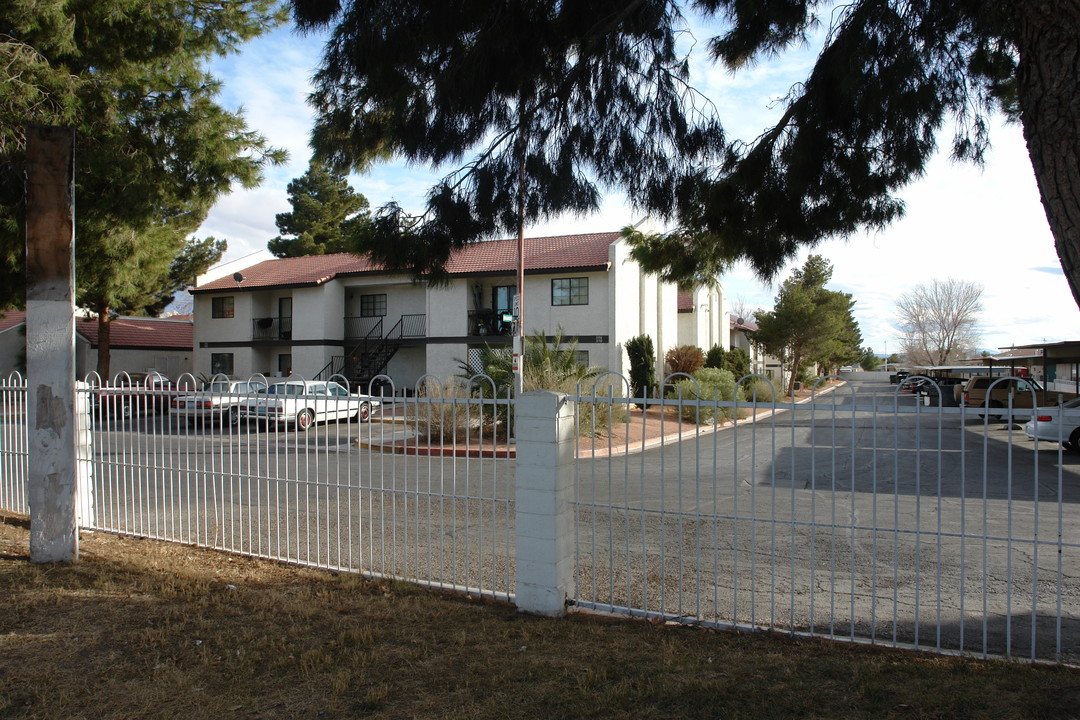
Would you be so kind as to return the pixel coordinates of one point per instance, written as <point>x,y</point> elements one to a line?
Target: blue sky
<point>982,224</point>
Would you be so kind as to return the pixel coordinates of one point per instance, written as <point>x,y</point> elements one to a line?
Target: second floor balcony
<point>367,329</point>
<point>271,328</point>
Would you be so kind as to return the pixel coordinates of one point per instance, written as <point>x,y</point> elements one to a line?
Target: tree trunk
<point>1047,82</point>
<point>796,360</point>
<point>103,354</point>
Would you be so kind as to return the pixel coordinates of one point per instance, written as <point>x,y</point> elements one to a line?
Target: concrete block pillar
<point>544,493</point>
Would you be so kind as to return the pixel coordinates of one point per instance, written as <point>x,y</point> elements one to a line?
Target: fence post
<point>544,493</point>
<point>84,450</point>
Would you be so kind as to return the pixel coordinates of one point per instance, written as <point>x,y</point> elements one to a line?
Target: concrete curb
<point>699,431</point>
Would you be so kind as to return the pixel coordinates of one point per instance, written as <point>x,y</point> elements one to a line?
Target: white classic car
<point>217,402</point>
<point>1057,425</point>
<point>306,403</point>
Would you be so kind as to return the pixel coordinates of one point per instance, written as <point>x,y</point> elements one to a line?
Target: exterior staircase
<point>371,356</point>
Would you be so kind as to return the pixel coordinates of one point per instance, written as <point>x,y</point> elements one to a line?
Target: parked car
<point>304,403</point>
<point>218,402</point>
<point>133,394</point>
<point>1050,424</point>
<point>918,385</point>
<point>994,393</point>
<point>898,376</point>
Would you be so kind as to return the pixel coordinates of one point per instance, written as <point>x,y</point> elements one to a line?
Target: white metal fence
<point>861,512</point>
<point>349,492</point>
<point>866,516</point>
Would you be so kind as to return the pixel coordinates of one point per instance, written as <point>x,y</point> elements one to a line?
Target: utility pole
<point>50,344</point>
<point>519,311</point>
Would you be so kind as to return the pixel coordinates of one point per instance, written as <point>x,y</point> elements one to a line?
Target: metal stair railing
<point>334,367</point>
<point>340,364</point>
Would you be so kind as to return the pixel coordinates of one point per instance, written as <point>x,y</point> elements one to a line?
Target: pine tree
<point>328,216</point>
<point>154,150</point>
<point>808,323</point>
<point>583,94</point>
<point>547,102</point>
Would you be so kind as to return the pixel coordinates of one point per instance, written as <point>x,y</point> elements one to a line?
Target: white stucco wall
<point>169,362</point>
<point>440,361</point>
<point>707,323</point>
<point>447,309</point>
<point>407,366</point>
<point>624,321</point>
<point>318,313</point>
<point>211,329</point>
<point>542,316</point>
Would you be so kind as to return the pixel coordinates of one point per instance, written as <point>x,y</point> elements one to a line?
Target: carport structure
<point>1049,356</point>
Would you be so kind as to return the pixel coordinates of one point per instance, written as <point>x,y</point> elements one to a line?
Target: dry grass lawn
<point>142,629</point>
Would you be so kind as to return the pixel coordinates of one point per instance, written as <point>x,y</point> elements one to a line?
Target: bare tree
<point>741,309</point>
<point>939,321</point>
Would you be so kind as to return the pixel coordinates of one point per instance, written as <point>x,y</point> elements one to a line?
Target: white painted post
<point>544,492</point>
<point>84,448</point>
<point>50,344</point>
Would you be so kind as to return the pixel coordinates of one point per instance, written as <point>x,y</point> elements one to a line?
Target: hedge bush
<point>712,384</point>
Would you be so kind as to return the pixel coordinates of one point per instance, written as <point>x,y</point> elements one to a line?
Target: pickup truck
<point>1027,393</point>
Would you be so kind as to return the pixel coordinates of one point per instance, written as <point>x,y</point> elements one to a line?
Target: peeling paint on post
<point>50,343</point>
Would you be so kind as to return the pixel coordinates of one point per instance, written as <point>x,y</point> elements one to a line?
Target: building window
<point>570,291</point>
<point>582,356</point>
<point>373,305</point>
<point>222,307</point>
<point>221,363</point>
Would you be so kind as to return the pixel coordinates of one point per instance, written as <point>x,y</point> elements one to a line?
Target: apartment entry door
<point>285,318</point>
<point>502,302</point>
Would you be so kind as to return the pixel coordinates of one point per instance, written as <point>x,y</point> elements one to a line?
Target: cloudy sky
<point>982,224</point>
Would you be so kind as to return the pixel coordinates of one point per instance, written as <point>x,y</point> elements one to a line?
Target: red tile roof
<point>558,252</point>
<point>12,318</point>
<point>747,325</point>
<point>132,332</point>
<point>127,332</point>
